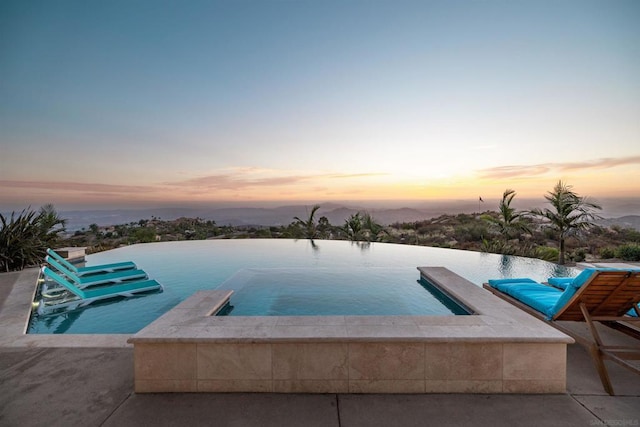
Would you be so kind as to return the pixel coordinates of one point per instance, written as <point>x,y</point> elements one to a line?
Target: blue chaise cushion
<point>545,299</point>
<point>560,282</point>
<point>570,290</point>
<point>538,296</point>
<point>579,280</point>
<point>502,284</point>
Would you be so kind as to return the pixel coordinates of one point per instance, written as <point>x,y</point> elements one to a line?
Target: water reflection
<point>563,271</point>
<point>506,265</point>
<point>53,322</point>
<point>445,300</point>
<point>363,246</point>
<point>86,319</point>
<point>58,323</point>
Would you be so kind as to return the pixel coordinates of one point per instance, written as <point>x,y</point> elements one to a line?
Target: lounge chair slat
<point>94,269</point>
<point>618,290</point>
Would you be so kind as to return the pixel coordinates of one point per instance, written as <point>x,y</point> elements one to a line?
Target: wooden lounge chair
<point>596,295</point>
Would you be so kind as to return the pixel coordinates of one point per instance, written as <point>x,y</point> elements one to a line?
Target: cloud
<point>236,182</point>
<point>527,171</point>
<point>514,171</point>
<point>241,181</point>
<point>245,178</point>
<point>354,175</point>
<point>603,163</point>
<point>77,186</point>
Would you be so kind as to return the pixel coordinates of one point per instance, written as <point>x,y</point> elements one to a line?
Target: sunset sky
<point>126,103</point>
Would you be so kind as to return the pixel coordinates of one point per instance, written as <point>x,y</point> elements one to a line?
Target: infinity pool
<point>186,267</point>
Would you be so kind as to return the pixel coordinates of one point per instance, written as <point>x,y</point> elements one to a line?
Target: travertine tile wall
<point>351,367</point>
<point>500,349</point>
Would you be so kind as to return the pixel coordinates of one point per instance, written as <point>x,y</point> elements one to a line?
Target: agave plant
<point>25,237</point>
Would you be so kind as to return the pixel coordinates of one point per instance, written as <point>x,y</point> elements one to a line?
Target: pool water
<point>188,266</point>
<point>334,292</point>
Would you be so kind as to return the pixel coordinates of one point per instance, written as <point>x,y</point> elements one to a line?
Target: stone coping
<point>494,320</point>
<point>16,311</point>
<point>620,265</point>
<point>72,253</point>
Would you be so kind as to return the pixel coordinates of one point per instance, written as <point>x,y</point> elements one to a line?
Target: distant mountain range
<point>628,221</point>
<point>284,215</point>
<point>336,214</point>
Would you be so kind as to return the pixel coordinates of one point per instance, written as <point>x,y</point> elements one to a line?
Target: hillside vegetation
<point>457,231</point>
<point>569,230</point>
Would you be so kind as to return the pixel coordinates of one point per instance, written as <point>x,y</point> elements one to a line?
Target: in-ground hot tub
<point>498,349</point>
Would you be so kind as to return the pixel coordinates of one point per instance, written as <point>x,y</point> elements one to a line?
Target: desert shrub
<point>497,247</point>
<point>462,233</point>
<point>424,230</point>
<point>627,234</point>
<point>549,234</point>
<point>143,235</point>
<point>547,253</point>
<point>629,252</point>
<point>607,253</point>
<point>263,233</point>
<point>445,245</point>
<point>579,255</point>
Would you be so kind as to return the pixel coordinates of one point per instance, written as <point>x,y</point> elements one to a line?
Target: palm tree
<point>324,228</point>
<point>570,213</point>
<point>509,221</point>
<point>362,226</point>
<point>372,227</point>
<point>308,226</point>
<point>353,227</point>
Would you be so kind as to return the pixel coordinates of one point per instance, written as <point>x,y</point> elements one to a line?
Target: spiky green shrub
<point>497,247</point>
<point>607,253</point>
<point>629,252</point>
<point>547,253</point>
<point>25,237</point>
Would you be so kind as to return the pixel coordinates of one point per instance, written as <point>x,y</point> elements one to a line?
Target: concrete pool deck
<point>74,384</point>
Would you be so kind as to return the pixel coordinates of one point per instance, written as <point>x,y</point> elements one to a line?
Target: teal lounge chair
<point>94,269</point>
<point>81,297</point>
<point>605,295</point>
<point>96,279</point>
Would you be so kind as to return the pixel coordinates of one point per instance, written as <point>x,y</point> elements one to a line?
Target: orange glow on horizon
<point>321,189</point>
